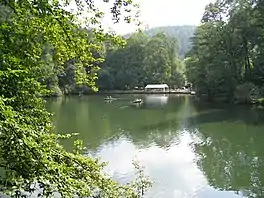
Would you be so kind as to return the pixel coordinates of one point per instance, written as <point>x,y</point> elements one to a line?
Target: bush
<point>246,93</point>
<point>55,91</point>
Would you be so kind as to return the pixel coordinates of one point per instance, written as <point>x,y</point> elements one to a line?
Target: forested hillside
<point>183,34</point>
<point>226,61</point>
<point>138,61</point>
<point>141,61</point>
<point>150,56</point>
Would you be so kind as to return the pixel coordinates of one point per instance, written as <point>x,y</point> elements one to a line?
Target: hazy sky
<point>154,13</point>
<point>165,13</point>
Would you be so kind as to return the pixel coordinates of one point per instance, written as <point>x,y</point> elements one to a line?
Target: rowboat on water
<point>110,98</point>
<point>137,101</point>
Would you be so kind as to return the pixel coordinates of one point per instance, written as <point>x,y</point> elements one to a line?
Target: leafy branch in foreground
<point>31,158</point>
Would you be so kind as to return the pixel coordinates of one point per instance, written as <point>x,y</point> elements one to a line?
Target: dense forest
<point>121,62</point>
<point>226,62</point>
<point>149,56</point>
<point>141,61</point>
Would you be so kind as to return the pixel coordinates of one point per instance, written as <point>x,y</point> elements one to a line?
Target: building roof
<point>157,86</point>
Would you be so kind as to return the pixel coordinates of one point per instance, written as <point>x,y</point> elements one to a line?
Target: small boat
<point>193,93</point>
<point>110,98</point>
<point>137,101</point>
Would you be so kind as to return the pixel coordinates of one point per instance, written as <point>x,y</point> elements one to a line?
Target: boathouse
<point>157,87</point>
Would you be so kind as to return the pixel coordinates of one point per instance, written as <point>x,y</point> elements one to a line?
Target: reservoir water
<point>189,148</point>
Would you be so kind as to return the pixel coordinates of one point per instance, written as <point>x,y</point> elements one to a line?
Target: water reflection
<point>173,170</point>
<point>156,100</point>
<point>190,149</point>
<point>232,158</point>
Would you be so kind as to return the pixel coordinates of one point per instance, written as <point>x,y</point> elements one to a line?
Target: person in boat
<point>138,100</point>
<point>108,97</point>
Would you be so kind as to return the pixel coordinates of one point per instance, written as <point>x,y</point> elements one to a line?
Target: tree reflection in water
<point>230,149</point>
<point>228,141</point>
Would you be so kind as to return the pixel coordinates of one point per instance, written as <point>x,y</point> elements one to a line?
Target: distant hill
<point>181,33</point>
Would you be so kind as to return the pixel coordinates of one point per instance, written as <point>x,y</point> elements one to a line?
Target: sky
<point>154,13</point>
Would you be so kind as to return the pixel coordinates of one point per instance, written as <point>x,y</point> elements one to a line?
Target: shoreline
<point>105,92</point>
<point>142,92</point>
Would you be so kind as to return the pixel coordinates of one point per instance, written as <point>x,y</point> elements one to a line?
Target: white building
<point>157,87</point>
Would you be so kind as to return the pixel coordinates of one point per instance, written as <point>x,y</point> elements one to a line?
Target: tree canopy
<point>143,60</point>
<point>36,38</point>
<point>226,60</point>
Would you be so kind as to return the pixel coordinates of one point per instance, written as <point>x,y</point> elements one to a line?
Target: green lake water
<point>189,148</point>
